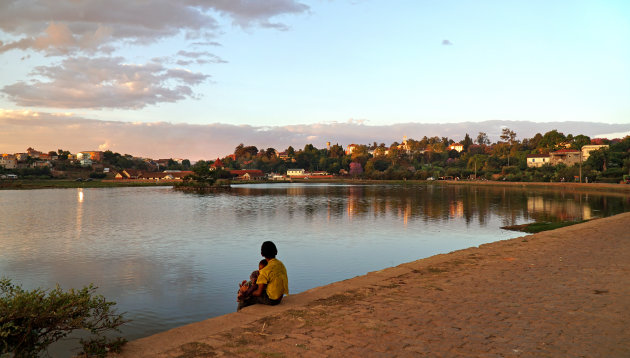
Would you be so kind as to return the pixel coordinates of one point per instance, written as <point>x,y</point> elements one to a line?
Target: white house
<point>295,172</point>
<point>587,149</point>
<point>537,160</point>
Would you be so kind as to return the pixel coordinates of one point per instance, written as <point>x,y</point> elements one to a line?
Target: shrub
<point>32,320</point>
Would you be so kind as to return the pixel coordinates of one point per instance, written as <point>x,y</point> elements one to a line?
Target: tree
<point>336,151</point>
<point>360,154</point>
<point>245,152</point>
<point>508,136</point>
<point>356,168</point>
<point>271,152</point>
<point>551,139</point>
<point>290,151</point>
<point>32,320</point>
<point>482,138</point>
<point>579,141</point>
<point>63,154</point>
<point>467,142</point>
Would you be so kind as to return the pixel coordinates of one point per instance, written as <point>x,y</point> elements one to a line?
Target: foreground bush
<point>32,320</point>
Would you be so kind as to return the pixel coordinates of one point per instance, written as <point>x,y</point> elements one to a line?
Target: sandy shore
<point>561,293</point>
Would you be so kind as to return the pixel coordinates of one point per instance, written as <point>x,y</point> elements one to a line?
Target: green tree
<point>508,136</point>
<point>551,140</point>
<point>467,142</point>
<point>336,151</point>
<point>579,141</point>
<point>32,320</point>
<point>290,152</point>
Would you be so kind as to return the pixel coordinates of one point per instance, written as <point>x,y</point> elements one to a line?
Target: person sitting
<point>246,288</point>
<point>273,282</point>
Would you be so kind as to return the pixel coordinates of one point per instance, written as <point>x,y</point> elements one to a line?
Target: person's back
<point>273,282</point>
<point>274,275</point>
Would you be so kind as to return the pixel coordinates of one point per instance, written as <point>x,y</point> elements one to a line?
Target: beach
<point>560,293</point>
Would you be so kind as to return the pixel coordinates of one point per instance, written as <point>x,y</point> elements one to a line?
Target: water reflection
<point>170,258</point>
<point>79,213</point>
<point>431,203</point>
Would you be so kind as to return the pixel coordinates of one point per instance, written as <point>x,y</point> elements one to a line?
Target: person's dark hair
<point>263,263</point>
<point>268,250</point>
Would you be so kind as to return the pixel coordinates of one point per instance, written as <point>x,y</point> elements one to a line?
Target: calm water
<point>169,258</point>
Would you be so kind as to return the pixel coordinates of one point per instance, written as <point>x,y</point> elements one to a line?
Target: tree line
<point>430,157</point>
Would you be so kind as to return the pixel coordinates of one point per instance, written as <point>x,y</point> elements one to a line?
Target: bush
<point>95,175</point>
<point>32,320</point>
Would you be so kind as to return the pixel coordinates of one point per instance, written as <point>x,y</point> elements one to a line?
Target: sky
<point>195,78</point>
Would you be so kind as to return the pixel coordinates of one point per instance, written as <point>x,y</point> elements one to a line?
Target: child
<point>247,288</point>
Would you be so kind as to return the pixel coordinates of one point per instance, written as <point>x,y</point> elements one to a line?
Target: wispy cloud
<point>51,131</point>
<point>62,27</point>
<point>103,83</point>
<point>447,43</point>
<point>87,37</point>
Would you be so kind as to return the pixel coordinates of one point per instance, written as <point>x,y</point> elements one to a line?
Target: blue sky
<point>279,63</point>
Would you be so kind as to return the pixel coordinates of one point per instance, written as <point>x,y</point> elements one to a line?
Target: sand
<point>561,293</point>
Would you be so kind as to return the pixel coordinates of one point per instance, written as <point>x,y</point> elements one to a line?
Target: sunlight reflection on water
<point>169,258</point>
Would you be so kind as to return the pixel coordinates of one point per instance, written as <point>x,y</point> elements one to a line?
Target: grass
<point>536,227</point>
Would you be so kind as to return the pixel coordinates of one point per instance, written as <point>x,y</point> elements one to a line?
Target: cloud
<point>198,57</point>
<point>447,43</point>
<point>612,135</point>
<point>248,12</point>
<point>64,27</point>
<point>103,83</point>
<point>49,131</point>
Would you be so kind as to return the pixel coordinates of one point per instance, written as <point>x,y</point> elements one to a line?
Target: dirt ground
<point>561,293</point>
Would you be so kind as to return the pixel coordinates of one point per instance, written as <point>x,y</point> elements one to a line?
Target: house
<point>404,146</point>
<point>21,157</point>
<point>248,174</point>
<point>8,161</point>
<point>33,153</point>
<point>180,175</point>
<point>457,146</point>
<point>587,149</point>
<point>94,156</point>
<point>218,164</point>
<point>128,174</point>
<point>177,175</point>
<point>86,162</point>
<point>351,148</point>
<point>537,160</point>
<point>162,163</point>
<point>295,172</point>
<point>41,164</point>
<point>274,176</point>
<point>568,157</point>
<point>378,151</point>
<point>320,175</point>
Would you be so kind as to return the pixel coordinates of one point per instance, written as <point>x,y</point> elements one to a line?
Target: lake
<point>170,258</point>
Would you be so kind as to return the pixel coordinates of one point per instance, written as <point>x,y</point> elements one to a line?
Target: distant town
<point>551,156</point>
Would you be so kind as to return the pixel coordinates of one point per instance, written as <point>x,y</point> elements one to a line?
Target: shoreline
<point>555,293</point>
<point>110,183</point>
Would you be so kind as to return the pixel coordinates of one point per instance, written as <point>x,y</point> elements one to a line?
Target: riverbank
<point>66,184</point>
<point>556,293</point>
<point>613,189</point>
